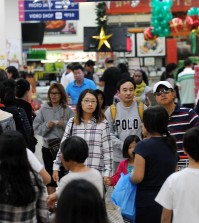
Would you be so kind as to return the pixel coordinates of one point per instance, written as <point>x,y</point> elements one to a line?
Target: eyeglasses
<point>87,102</point>
<point>165,91</point>
<point>54,93</point>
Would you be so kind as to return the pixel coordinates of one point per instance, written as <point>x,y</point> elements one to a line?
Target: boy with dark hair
<point>74,154</point>
<point>179,194</point>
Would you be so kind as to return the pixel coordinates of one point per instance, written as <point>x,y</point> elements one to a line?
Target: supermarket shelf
<point>32,60</point>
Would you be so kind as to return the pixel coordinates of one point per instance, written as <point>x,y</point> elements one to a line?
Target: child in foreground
<point>125,166</point>
<point>74,152</point>
<point>179,194</point>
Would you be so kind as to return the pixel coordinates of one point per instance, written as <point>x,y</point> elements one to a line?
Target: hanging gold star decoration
<point>102,39</point>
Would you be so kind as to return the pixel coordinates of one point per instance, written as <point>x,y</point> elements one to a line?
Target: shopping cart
<point>183,162</point>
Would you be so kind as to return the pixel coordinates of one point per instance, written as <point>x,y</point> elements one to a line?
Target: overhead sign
<point>39,11</point>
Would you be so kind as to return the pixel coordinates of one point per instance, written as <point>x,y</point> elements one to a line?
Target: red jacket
<point>122,168</point>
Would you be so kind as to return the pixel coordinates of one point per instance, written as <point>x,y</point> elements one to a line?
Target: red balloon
<point>189,22</point>
<point>192,22</point>
<point>148,35</point>
<point>195,24</point>
<point>176,25</point>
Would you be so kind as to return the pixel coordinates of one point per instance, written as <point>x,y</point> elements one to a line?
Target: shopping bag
<point>124,196</point>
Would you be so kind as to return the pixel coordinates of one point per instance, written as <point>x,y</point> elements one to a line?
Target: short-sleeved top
<point>180,193</point>
<point>110,76</point>
<point>180,121</point>
<point>34,162</point>
<point>92,175</point>
<point>186,81</point>
<point>160,162</point>
<point>74,90</point>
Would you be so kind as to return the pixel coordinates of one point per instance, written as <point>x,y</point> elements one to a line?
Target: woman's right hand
<point>55,175</point>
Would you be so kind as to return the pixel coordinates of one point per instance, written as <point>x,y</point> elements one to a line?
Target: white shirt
<point>92,175</point>
<point>180,193</point>
<point>66,79</point>
<point>4,115</point>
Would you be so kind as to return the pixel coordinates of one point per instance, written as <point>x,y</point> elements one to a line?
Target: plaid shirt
<point>35,212</point>
<point>97,136</point>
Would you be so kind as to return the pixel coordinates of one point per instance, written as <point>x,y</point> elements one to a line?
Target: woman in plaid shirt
<point>22,193</point>
<point>90,124</point>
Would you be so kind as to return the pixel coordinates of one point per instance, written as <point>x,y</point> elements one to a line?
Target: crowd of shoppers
<point>97,142</point>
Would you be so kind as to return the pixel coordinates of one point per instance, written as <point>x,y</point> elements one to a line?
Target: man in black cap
<point>89,68</point>
<point>109,80</point>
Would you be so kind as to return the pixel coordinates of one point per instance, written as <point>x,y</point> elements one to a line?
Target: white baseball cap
<point>164,83</point>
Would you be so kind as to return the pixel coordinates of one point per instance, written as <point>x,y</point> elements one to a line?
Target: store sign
<point>71,56</point>
<point>39,11</point>
<point>124,7</point>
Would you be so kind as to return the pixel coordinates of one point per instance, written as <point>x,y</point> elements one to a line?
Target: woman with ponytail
<point>155,160</point>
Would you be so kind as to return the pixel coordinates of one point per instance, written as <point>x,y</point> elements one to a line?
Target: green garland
<point>101,15</point>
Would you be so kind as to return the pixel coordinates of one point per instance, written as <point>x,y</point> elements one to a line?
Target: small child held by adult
<point>74,152</point>
<point>179,194</point>
<point>126,165</point>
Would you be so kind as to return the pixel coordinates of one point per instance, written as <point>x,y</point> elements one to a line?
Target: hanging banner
<point>59,27</point>
<point>125,7</point>
<point>39,11</point>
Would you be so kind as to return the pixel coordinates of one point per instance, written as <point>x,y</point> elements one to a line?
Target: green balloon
<point>167,32</point>
<point>164,23</point>
<point>155,22</point>
<point>191,12</point>
<point>168,17</point>
<point>156,10</point>
<point>169,3</point>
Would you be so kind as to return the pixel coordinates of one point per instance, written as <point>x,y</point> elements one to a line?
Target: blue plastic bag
<point>124,196</point>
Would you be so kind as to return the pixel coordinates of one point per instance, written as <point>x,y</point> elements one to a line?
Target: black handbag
<point>53,146</point>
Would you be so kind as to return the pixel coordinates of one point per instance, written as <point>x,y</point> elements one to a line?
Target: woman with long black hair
<point>155,160</point>
<point>22,193</point>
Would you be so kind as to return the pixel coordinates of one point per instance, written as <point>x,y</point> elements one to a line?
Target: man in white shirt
<point>185,85</point>
<point>179,194</point>
<point>67,76</point>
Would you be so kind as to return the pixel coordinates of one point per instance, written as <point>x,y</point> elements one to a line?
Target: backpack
<point>29,135</point>
<point>8,124</point>
<point>140,106</point>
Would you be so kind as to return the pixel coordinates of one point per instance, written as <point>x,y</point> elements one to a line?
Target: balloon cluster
<point>163,22</point>
<point>192,24</point>
<point>192,19</point>
<point>161,15</point>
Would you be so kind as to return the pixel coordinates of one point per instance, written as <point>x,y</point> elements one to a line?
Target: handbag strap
<point>71,129</point>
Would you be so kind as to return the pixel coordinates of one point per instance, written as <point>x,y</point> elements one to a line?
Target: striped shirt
<point>97,136</point>
<point>180,121</point>
<point>32,213</point>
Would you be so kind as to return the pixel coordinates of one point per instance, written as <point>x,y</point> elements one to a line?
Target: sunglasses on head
<point>165,91</point>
